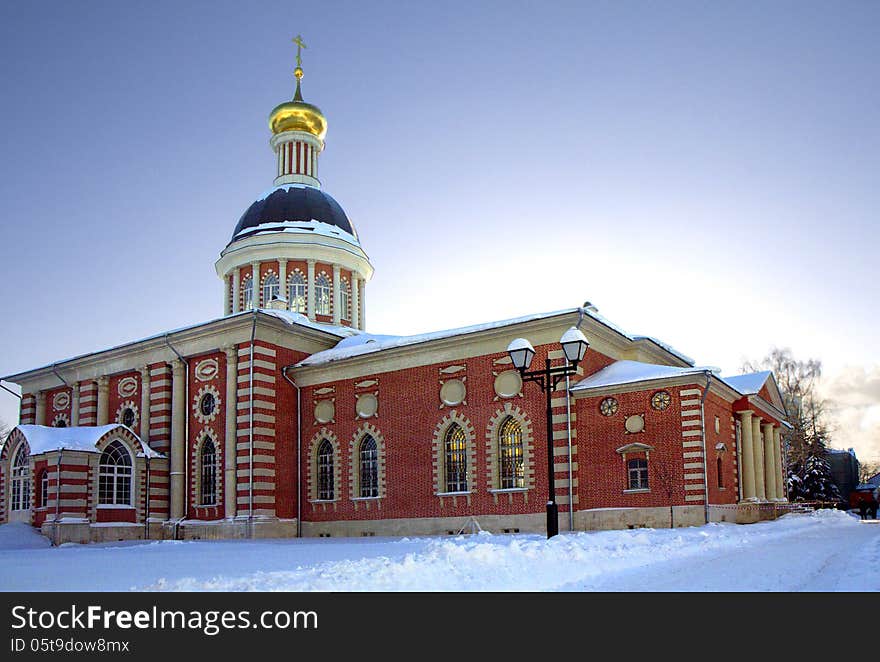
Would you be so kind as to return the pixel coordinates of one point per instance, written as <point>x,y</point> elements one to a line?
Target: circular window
<point>608,407</point>
<point>660,400</point>
<point>207,404</point>
<point>128,418</point>
<point>61,423</point>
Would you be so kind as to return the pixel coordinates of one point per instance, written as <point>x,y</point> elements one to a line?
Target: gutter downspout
<point>298,451</point>
<point>185,438</point>
<point>59,376</point>
<point>703,433</point>
<point>568,432</point>
<point>147,504</point>
<point>251,430</point>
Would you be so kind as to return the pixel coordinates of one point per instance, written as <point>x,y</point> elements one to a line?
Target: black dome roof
<point>292,202</point>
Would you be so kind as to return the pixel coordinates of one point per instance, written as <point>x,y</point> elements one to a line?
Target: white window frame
<point>115,473</point>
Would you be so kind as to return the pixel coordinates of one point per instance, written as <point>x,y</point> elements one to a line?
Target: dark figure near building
<point>863,509</point>
<point>872,508</point>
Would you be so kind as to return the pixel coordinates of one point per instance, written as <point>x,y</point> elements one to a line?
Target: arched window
<point>114,476</point>
<point>296,292</point>
<point>322,295</point>
<point>209,473</point>
<point>270,289</point>
<point>510,450</point>
<point>21,480</point>
<point>455,448</point>
<point>44,488</point>
<point>247,293</point>
<point>719,466</point>
<point>325,471</point>
<point>637,471</point>
<point>345,300</point>
<point>369,465</point>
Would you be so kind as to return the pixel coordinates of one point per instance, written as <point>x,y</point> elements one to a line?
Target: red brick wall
<point>52,414</point>
<point>199,429</point>
<point>116,400</point>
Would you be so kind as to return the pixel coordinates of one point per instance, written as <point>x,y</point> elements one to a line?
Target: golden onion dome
<point>297,115</point>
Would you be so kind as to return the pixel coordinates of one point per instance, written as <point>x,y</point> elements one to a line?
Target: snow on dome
<point>42,438</point>
<point>629,372</point>
<point>748,384</point>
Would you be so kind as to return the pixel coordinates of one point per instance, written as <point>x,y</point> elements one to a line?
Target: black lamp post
<point>574,346</point>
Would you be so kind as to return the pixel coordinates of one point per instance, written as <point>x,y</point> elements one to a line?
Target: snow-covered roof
<point>748,384</point>
<point>312,228</point>
<point>42,438</point>
<point>368,343</point>
<point>293,319</point>
<point>669,348</point>
<point>631,372</point>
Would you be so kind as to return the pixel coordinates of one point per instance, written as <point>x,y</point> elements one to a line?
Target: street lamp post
<point>574,346</point>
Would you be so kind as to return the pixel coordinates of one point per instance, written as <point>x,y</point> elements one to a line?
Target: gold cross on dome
<point>299,46</point>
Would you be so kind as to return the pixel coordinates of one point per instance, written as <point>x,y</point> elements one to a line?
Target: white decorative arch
<point>196,463</point>
<point>453,417</point>
<point>493,468</point>
<point>314,444</point>
<point>354,447</point>
<point>120,412</point>
<point>197,404</point>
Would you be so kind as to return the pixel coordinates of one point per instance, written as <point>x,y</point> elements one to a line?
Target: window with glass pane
<point>114,476</point>
<point>21,480</point>
<point>44,488</point>
<point>345,300</point>
<point>510,451</point>
<point>638,474</point>
<point>270,289</point>
<point>456,460</point>
<point>60,423</point>
<point>296,292</point>
<point>322,295</point>
<point>719,467</point>
<point>247,294</point>
<point>209,473</point>
<point>128,417</point>
<point>325,471</point>
<point>369,457</point>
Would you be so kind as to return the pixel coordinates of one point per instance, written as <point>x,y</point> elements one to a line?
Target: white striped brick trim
<point>263,424</point>
<point>160,408</point>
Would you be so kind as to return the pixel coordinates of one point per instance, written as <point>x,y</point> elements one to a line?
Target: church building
<point>285,417</point>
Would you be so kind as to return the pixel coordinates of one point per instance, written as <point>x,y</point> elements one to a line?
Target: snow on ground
<point>823,551</point>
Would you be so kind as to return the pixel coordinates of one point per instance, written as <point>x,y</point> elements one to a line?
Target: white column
<point>74,405</point>
<point>227,301</point>
<point>780,470</point>
<point>229,456</point>
<point>255,283</point>
<point>236,294</point>
<point>337,294</point>
<point>760,488</point>
<point>747,470</point>
<point>310,290</point>
<point>362,313</point>
<point>769,462</point>
<point>41,409</point>
<point>103,401</point>
<point>282,279</point>
<point>178,437</point>
<point>355,300</point>
<point>145,404</point>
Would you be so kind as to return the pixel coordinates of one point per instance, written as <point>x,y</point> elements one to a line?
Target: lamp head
<point>574,345</point>
<point>521,353</point>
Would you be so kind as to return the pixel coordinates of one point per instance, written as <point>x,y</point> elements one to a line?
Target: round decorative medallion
<point>608,407</point>
<point>61,400</point>
<point>206,404</point>
<point>367,405</point>
<point>635,423</point>
<point>127,414</point>
<point>206,370</point>
<point>453,392</point>
<point>127,387</point>
<point>508,384</point>
<point>325,410</point>
<point>660,400</point>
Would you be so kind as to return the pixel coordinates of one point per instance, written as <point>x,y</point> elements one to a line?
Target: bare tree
<point>868,469</point>
<point>666,481</point>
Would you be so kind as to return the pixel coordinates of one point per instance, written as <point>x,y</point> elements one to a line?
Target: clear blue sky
<point>703,172</point>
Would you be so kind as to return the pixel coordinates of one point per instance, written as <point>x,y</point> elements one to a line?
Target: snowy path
<point>806,560</point>
<point>823,551</point>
